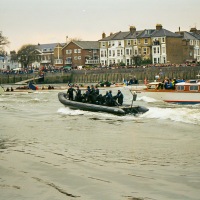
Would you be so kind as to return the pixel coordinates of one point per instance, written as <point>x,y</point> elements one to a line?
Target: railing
<point>92,62</point>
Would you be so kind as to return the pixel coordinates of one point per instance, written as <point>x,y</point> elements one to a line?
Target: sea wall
<point>111,75</point>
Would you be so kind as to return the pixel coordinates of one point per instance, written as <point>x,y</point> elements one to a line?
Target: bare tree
<point>24,54</point>
<point>3,42</point>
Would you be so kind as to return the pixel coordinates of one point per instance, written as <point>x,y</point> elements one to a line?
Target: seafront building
<point>81,53</point>
<point>156,46</point>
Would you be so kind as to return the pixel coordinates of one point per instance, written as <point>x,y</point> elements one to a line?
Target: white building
<point>7,64</point>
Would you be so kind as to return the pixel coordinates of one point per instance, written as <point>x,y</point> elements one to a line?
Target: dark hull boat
<point>117,110</point>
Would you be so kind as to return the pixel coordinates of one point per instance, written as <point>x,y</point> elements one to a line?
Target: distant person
<point>119,97</point>
<point>78,96</point>
<point>70,93</point>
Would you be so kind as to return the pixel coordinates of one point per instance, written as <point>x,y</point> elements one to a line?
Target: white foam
<point>147,99</point>
<point>185,115</point>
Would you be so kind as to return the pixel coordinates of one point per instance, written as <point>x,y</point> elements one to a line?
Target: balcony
<point>92,62</point>
<point>45,61</point>
<point>68,62</point>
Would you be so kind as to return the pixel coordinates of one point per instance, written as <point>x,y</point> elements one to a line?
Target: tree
<point>24,54</point>
<point>3,42</point>
<point>137,59</point>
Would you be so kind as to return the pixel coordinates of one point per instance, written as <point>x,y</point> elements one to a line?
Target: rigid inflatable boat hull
<point>117,110</point>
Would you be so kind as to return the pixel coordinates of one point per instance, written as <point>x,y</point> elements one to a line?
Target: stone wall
<point>111,75</point>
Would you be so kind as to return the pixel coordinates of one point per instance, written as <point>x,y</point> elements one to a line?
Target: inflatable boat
<point>117,110</point>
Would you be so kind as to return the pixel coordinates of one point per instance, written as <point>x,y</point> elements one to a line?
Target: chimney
<point>158,26</point>
<point>132,29</point>
<point>193,30</point>
<point>179,29</point>
<point>111,33</point>
<point>103,35</point>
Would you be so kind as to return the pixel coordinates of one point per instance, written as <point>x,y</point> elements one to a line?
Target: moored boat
<point>117,110</point>
<point>187,92</point>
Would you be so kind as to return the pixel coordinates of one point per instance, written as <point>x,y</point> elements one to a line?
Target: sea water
<point>48,151</point>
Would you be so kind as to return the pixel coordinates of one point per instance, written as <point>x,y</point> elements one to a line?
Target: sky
<point>51,21</point>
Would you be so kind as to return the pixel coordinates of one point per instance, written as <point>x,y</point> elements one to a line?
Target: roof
<point>50,46</point>
<point>196,35</point>
<point>188,36</point>
<point>165,33</point>
<point>121,36</point>
<point>146,33</point>
<point>87,44</point>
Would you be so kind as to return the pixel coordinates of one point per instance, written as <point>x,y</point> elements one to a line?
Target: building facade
<point>155,45</point>
<point>81,53</point>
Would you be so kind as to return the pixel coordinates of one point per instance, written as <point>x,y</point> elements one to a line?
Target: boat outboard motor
<point>134,96</point>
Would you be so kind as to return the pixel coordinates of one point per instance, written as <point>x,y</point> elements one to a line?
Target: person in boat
<point>96,90</point>
<point>86,94</point>
<point>109,99</point>
<point>92,95</point>
<point>70,93</point>
<point>78,96</point>
<point>11,89</point>
<point>119,97</point>
<point>7,90</point>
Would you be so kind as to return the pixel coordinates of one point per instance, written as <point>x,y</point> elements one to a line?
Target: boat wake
<point>185,115</point>
<point>147,99</point>
<point>99,115</point>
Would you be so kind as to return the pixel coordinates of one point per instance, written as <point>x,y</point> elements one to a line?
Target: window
<point>127,51</point>
<point>79,57</point>
<point>154,50</point>
<point>119,43</point>
<point>135,42</point>
<point>136,52</point>
<point>113,53</point>
<point>68,51</point>
<point>163,40</point>
<point>158,50</point>
<point>109,52</point>
<point>180,87</point>
<point>103,44</point>
<point>155,60</point>
<point>127,61</point>
<point>145,41</point>
<point>75,50</point>
<point>194,88</point>
<point>118,52</point>
<point>163,50</point>
<point>102,54</point>
<point>109,44</point>
<point>128,42</point>
<point>144,51</point>
<point>138,41</point>
<point>75,57</point>
<point>79,50</point>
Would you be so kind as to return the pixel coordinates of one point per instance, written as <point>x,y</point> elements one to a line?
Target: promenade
<point>111,75</point>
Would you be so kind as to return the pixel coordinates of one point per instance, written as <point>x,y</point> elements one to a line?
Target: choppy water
<point>48,151</point>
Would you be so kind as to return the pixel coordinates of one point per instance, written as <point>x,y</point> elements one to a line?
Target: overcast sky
<point>50,21</point>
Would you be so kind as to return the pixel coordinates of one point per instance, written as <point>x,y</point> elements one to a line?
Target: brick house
<point>81,53</point>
